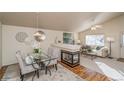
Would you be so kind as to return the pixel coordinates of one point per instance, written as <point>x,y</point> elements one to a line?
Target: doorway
<point>122,45</point>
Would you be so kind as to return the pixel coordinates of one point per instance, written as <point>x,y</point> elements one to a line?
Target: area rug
<point>62,74</point>
<point>109,67</point>
<point>120,59</point>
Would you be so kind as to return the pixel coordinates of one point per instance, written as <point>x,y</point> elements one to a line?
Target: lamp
<point>78,42</point>
<point>110,40</point>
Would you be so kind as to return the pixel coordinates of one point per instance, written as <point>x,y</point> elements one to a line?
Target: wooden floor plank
<point>2,71</point>
<point>86,73</point>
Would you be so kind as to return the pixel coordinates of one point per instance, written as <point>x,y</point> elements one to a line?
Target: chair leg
<point>49,71</point>
<point>21,77</point>
<point>46,70</point>
<point>56,66</point>
<point>34,75</point>
<point>38,73</point>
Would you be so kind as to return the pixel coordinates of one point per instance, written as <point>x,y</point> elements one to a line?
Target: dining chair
<point>53,53</point>
<point>24,68</point>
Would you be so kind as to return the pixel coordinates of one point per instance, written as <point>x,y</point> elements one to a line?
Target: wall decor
<point>21,36</point>
<point>68,38</point>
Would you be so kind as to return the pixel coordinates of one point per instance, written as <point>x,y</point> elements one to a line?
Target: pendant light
<point>39,35</point>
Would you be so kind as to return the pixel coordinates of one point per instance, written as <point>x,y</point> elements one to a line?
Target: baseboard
<point>9,64</point>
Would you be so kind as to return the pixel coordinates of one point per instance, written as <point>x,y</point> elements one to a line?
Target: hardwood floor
<point>2,71</point>
<point>86,73</point>
<point>81,71</point>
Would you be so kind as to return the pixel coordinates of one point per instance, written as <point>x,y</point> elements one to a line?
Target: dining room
<point>39,46</point>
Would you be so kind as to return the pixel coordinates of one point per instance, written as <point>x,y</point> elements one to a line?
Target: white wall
<point>0,45</point>
<point>112,28</point>
<point>10,45</point>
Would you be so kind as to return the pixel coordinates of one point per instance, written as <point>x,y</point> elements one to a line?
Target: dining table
<point>41,60</point>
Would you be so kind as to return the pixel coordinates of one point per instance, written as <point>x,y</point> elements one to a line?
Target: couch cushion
<point>99,47</point>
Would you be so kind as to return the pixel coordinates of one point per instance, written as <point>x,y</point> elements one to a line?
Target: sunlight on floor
<point>110,72</point>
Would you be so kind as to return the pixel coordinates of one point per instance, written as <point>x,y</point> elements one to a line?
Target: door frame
<point>121,43</point>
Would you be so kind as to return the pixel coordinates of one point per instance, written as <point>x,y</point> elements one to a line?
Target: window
<point>95,40</point>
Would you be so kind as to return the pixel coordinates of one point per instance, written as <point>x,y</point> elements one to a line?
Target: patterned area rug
<point>62,74</point>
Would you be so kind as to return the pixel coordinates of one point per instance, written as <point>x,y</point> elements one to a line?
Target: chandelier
<point>39,35</point>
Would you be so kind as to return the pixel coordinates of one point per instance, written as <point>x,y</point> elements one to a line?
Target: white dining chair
<point>53,53</point>
<point>24,68</point>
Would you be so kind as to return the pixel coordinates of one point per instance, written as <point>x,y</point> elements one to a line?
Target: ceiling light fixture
<point>94,26</point>
<point>39,35</point>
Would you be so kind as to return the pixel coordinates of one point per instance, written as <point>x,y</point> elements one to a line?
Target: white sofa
<point>101,51</point>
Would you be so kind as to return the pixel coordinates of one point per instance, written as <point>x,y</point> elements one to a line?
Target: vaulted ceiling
<point>61,21</point>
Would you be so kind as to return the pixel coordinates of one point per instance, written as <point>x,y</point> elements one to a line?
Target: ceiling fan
<point>94,27</point>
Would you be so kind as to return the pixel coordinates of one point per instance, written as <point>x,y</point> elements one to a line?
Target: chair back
<point>20,59</point>
<point>53,52</point>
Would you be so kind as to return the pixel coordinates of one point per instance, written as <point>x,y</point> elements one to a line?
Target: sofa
<point>100,51</point>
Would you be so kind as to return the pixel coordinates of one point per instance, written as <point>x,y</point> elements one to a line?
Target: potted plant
<point>36,50</point>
